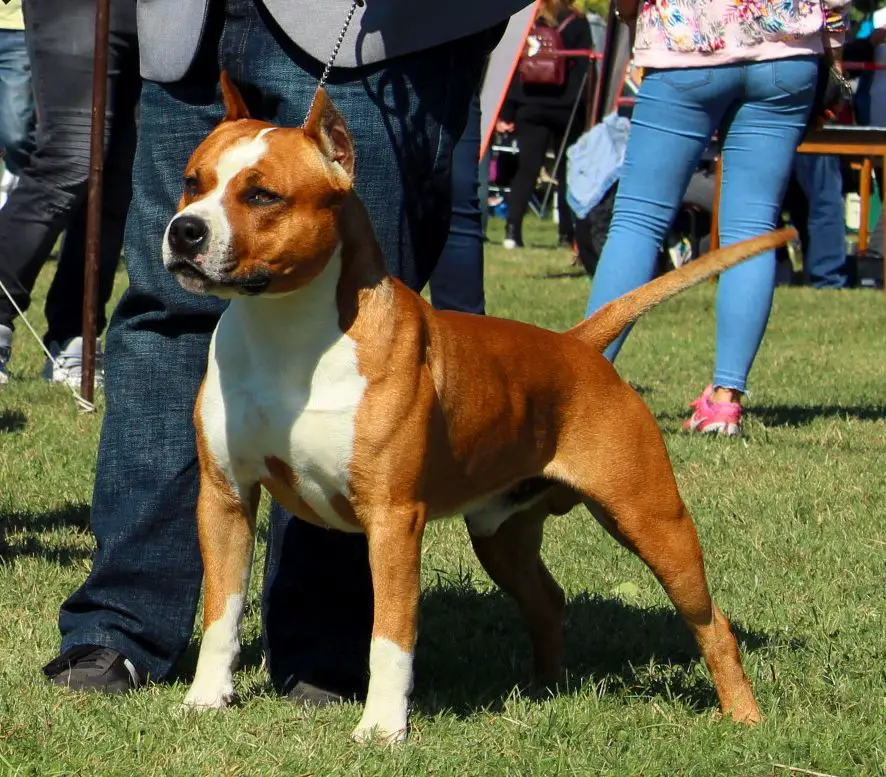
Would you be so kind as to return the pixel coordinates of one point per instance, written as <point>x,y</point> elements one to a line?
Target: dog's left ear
<point>327,128</point>
<point>235,106</point>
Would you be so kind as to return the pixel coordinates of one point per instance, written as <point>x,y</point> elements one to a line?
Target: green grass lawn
<point>792,518</point>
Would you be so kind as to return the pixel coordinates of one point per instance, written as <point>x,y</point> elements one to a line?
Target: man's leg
<point>533,139</point>
<point>16,100</point>
<point>141,595</point>
<point>64,302</point>
<point>52,183</point>
<point>457,283</point>
<point>822,183</point>
<point>405,117</point>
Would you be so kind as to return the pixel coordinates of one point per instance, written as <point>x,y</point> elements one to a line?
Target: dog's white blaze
<point>283,381</point>
<point>242,155</point>
<point>390,683</point>
<point>213,685</point>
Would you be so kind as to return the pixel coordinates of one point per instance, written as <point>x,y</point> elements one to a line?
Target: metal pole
<point>559,157</point>
<point>598,109</point>
<point>94,196</point>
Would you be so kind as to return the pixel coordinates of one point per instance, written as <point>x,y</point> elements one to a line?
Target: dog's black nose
<point>188,235</point>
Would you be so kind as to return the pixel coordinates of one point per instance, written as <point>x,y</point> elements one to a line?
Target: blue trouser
<point>825,256</point>
<point>457,282</point>
<point>16,100</point>
<point>141,595</point>
<point>761,109</point>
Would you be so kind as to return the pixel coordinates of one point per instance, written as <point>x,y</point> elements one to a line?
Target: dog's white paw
<point>209,698</point>
<point>388,727</point>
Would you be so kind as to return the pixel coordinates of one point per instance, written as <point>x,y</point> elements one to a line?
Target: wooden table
<point>866,143</point>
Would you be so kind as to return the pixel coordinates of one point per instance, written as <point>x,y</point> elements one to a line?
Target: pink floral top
<point>687,33</point>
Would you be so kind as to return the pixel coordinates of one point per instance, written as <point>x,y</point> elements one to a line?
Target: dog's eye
<point>192,186</point>
<point>258,196</point>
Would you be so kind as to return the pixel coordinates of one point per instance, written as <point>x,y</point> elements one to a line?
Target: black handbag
<point>833,93</point>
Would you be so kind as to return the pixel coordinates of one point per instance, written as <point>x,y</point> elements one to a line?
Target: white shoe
<point>7,183</point>
<point>5,352</point>
<point>68,366</point>
<point>509,244</point>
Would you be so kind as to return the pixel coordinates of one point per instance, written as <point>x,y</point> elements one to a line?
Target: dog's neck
<point>351,280</point>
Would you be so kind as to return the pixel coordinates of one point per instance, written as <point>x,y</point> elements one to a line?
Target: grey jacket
<point>169,31</point>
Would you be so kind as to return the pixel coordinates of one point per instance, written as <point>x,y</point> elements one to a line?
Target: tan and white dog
<point>362,409</point>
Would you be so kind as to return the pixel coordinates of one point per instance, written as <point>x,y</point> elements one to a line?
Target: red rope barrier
<point>863,66</point>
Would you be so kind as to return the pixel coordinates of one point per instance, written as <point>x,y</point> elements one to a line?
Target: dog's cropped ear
<point>326,127</point>
<point>235,107</point>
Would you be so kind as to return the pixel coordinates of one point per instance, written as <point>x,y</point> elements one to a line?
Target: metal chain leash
<point>331,61</point>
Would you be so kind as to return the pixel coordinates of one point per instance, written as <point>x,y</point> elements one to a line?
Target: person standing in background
<point>16,99</point>
<point>51,193</point>
<point>750,71</point>
<point>544,115</point>
<point>878,114</point>
<point>824,234</point>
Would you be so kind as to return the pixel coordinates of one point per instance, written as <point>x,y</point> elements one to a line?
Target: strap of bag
<point>566,22</point>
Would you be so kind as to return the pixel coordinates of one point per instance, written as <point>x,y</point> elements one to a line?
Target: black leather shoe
<point>93,668</point>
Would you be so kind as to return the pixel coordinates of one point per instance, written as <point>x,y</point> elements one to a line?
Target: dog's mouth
<point>195,277</point>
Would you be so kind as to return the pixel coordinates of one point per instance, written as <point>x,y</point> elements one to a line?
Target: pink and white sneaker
<point>714,417</point>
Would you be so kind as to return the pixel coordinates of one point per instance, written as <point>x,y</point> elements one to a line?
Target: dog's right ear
<point>327,128</point>
<point>235,106</point>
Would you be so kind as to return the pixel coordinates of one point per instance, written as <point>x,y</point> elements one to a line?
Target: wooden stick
<point>94,196</point>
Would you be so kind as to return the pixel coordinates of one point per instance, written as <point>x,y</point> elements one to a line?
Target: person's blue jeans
<point>761,109</point>
<point>16,100</point>
<point>457,282</point>
<point>141,595</point>
<point>822,183</point>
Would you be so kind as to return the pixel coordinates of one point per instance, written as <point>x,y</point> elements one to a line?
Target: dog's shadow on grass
<point>473,651</point>
<point>35,526</point>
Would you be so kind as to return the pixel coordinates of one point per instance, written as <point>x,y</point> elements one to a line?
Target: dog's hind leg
<point>226,528</point>
<point>512,559</point>
<point>632,492</point>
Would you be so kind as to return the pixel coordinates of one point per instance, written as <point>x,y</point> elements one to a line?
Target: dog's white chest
<point>285,405</point>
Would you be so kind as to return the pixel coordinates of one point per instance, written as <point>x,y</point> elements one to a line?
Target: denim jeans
<point>141,595</point>
<point>457,282</point>
<point>761,109</point>
<point>16,100</point>
<point>51,191</point>
<point>825,249</point>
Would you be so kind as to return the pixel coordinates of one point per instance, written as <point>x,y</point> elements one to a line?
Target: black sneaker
<point>93,668</point>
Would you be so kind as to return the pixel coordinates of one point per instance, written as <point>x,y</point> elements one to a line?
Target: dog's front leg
<point>226,526</point>
<point>395,559</point>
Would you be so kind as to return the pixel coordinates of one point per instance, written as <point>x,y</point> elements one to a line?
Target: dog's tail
<point>609,321</point>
